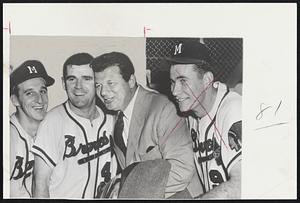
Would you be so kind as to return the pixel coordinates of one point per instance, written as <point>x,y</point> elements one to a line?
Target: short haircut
<point>204,67</point>
<point>15,91</point>
<point>77,59</point>
<point>121,60</point>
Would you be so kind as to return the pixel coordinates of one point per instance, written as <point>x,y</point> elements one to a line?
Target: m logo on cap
<point>178,49</point>
<point>31,69</point>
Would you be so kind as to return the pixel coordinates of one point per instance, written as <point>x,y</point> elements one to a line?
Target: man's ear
<point>63,83</point>
<point>132,81</point>
<point>14,99</point>
<point>208,78</point>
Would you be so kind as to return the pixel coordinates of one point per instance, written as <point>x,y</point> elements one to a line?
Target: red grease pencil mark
<point>189,108</point>
<point>197,99</point>
<point>145,30</point>
<point>8,28</point>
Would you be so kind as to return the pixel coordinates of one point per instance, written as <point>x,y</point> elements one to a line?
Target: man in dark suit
<point>146,126</point>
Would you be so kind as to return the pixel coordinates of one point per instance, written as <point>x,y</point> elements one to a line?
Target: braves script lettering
<point>71,150</point>
<point>19,172</point>
<point>208,146</point>
<point>26,172</point>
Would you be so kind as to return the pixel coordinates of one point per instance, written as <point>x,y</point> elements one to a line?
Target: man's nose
<point>104,90</point>
<point>176,89</point>
<point>78,84</point>
<point>39,98</point>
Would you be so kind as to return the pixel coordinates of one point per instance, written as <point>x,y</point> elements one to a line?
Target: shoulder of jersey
<point>56,113</point>
<point>232,103</point>
<point>14,134</point>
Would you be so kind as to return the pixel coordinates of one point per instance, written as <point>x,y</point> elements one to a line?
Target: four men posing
<point>79,146</point>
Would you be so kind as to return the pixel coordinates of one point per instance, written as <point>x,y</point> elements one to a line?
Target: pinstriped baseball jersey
<point>21,160</point>
<point>217,138</point>
<point>78,150</point>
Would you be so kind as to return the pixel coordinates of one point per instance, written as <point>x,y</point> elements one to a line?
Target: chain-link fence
<point>226,55</point>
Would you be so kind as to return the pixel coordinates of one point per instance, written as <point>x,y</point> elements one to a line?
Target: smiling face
<point>187,86</point>
<point>32,99</point>
<point>112,89</point>
<point>80,86</point>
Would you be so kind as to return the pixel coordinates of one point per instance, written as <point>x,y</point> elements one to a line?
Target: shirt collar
<point>128,110</point>
<point>82,119</point>
<point>15,121</point>
<point>221,90</point>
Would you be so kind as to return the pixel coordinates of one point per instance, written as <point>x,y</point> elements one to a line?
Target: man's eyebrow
<point>178,77</point>
<point>32,89</point>
<point>181,77</point>
<point>28,90</point>
<point>87,76</point>
<point>70,76</point>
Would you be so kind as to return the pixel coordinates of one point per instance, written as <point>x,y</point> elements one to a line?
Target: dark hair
<point>104,61</point>
<point>77,59</point>
<point>203,67</point>
<point>15,91</point>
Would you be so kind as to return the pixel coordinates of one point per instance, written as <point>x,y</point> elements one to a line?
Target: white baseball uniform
<point>217,138</point>
<point>21,160</point>
<point>78,150</point>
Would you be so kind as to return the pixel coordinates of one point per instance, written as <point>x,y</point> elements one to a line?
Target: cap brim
<point>183,60</point>
<point>49,80</point>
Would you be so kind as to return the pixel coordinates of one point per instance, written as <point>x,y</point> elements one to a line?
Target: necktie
<point>118,131</point>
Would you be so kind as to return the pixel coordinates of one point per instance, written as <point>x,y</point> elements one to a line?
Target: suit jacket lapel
<point>136,124</point>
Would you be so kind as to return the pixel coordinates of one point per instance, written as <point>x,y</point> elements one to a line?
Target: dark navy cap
<point>28,70</point>
<point>189,52</point>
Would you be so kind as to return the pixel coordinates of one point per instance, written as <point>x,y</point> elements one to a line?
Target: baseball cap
<point>28,70</point>
<point>189,52</point>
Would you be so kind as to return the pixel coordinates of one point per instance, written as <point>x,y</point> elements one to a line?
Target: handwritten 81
<point>263,108</point>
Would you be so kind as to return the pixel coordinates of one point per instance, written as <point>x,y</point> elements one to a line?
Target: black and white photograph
<point>113,116</point>
<point>104,124</point>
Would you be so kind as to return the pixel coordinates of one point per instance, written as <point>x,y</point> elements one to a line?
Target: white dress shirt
<point>127,116</point>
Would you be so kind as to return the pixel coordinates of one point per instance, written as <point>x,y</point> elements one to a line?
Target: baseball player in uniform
<point>72,149</point>
<point>28,92</point>
<point>214,120</point>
